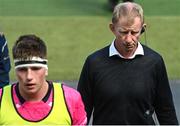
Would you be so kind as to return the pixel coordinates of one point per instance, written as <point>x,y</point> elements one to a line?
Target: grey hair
<point>128,10</point>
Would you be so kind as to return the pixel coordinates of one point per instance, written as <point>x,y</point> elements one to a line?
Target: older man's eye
<point>124,32</point>
<point>134,32</point>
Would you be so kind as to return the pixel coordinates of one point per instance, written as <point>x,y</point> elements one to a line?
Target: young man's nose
<point>29,74</point>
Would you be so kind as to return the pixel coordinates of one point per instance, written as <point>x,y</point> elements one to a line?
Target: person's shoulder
<point>69,91</point>
<point>72,96</point>
<point>150,53</point>
<point>2,39</point>
<point>7,86</point>
<point>103,52</point>
<point>2,90</point>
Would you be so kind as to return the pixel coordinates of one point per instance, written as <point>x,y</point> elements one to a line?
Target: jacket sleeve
<point>85,88</point>
<point>164,106</point>
<point>4,61</point>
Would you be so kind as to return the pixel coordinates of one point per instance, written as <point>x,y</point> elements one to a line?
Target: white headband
<point>32,62</point>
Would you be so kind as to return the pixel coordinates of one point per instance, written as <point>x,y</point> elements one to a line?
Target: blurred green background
<point>72,29</point>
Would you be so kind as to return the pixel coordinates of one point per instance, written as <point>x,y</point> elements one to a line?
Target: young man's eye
<point>22,69</point>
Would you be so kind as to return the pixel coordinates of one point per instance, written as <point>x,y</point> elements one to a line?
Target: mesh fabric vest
<point>59,114</point>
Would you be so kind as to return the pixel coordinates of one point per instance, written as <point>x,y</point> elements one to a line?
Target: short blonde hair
<point>128,10</point>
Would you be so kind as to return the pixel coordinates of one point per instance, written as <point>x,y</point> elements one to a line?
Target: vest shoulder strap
<point>1,95</point>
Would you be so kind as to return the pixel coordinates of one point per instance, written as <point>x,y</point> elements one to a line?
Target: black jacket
<point>4,62</point>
